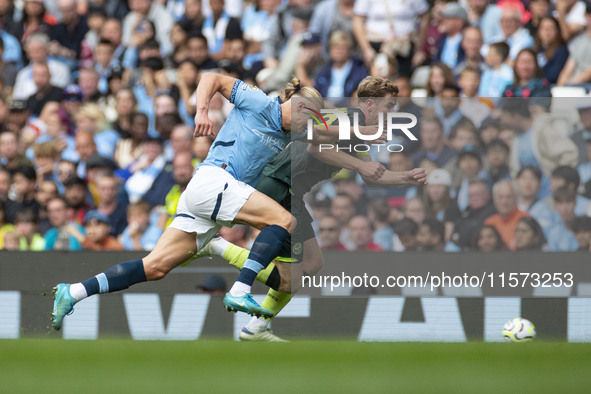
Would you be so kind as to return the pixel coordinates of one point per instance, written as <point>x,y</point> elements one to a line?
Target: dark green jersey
<point>298,170</point>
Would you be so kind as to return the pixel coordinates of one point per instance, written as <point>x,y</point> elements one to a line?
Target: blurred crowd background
<point>97,106</point>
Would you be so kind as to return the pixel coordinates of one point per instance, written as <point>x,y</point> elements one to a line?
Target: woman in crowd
<point>529,235</point>
<point>439,76</point>
<point>528,78</point>
<point>551,47</point>
<point>488,239</point>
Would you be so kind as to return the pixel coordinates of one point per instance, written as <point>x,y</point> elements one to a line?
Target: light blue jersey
<point>251,135</point>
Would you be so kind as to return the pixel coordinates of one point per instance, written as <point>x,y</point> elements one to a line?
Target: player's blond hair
<point>295,89</point>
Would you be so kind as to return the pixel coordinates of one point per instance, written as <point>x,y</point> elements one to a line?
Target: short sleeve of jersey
<point>362,7</point>
<point>248,97</point>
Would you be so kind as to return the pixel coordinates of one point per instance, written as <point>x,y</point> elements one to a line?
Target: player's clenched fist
<point>416,176</point>
<point>203,125</point>
<point>372,170</point>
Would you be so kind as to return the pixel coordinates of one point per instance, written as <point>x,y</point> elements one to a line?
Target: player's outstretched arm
<point>371,172</point>
<point>367,169</point>
<point>209,84</point>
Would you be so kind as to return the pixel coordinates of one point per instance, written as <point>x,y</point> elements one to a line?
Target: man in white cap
<point>449,50</point>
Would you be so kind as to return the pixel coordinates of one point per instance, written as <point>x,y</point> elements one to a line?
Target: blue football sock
<point>265,248</point>
<point>118,277</point>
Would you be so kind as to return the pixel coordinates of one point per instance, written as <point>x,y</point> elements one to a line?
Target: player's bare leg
<point>172,249</point>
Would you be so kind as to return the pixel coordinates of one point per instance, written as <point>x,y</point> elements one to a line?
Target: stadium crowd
<point>97,106</point>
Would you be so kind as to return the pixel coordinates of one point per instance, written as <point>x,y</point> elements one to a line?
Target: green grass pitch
<point>126,366</point>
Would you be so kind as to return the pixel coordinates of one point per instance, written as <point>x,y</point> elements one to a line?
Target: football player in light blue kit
<point>219,194</point>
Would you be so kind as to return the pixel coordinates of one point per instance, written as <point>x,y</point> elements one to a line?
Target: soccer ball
<point>519,330</point>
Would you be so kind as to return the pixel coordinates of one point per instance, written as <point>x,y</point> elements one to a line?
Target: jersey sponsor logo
<point>271,142</point>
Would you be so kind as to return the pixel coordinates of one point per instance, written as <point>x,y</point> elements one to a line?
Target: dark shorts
<point>293,248</point>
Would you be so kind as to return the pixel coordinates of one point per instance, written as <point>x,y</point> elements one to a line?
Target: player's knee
<point>287,221</point>
<point>154,270</point>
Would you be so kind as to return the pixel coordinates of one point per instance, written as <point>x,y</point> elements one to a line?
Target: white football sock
<point>239,289</point>
<point>218,246</point>
<point>78,291</point>
<point>257,324</point>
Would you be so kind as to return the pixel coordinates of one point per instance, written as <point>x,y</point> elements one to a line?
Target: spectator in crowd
<point>463,134</point>
<point>389,27</point>
<point>497,158</point>
<point>86,148</point>
<point>64,235</point>
<point>487,239</point>
<point>414,209</point>
<point>487,17</point>
<point>4,187</point>
<point>498,73</point>
<point>330,16</point>
<point>406,231</point>
<point>91,119</point>
<point>470,168</point>
<point>577,69</point>
<point>88,80</point>
<point>214,285</point>
<point>378,213</point>
<point>561,236</point>
<point>109,205</point>
<point>567,176</point>
<point>507,216</point>
<point>125,106</point>
<point>157,14</point>
<point>36,50</point>
<point>437,197</point>
<point>528,182</point>
<point>11,240</point>
<point>35,20</point>
<point>219,28</point>
<point>145,170</point>
<point>4,226</point>
<point>97,228</point>
<point>527,77</point>
<point>581,227</point>
<point>10,158</point>
<point>471,44</point>
<point>182,171</point>
<point>67,36</point>
<point>542,142</point>
<point>75,196</point>
<point>45,192</point>
<point>342,74</point>
<point>25,179</point>
<point>433,144</point>
<point>529,235</point>
<point>571,17</point>
<point>329,229</point>
<point>27,227</point>
<point>475,108</point>
<point>45,91</point>
<point>449,48</point>
<point>342,207</point>
<point>551,47</point>
<point>46,158</point>
<point>514,34</point>
<point>447,108</point>
<point>140,234</point>
<point>539,9</point>
<point>131,148</point>
<point>430,236</point>
<point>582,136</point>
<point>479,208</point>
<point>440,75</point>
